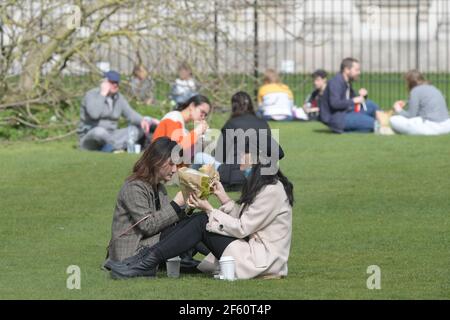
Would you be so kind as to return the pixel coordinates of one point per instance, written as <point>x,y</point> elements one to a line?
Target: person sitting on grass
<point>233,173</point>
<point>427,113</point>
<point>100,111</point>
<point>312,102</point>
<point>144,214</point>
<point>344,111</point>
<point>141,85</point>
<point>255,230</point>
<point>184,87</point>
<point>173,125</point>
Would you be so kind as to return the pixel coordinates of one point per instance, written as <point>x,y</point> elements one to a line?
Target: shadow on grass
<point>323,131</point>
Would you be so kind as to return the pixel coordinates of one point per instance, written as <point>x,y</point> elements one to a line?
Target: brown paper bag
<point>198,182</point>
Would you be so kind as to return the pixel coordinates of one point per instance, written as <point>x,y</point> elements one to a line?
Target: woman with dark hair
<point>229,153</point>
<point>173,124</point>
<point>143,210</point>
<point>427,113</point>
<point>255,230</point>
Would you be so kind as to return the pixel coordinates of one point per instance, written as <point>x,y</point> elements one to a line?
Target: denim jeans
<point>362,121</point>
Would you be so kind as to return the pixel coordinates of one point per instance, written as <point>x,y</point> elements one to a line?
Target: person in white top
<point>184,87</point>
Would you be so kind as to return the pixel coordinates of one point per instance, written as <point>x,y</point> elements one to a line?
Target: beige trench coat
<point>267,225</point>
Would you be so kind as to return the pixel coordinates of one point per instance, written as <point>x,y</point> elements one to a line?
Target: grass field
<point>361,200</point>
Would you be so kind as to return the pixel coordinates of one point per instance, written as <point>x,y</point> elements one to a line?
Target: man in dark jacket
<point>312,102</point>
<point>341,109</point>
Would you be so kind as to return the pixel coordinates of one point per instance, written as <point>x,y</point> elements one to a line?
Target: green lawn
<point>361,200</point>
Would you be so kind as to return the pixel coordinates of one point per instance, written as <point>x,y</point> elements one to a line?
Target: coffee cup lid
<point>227,258</point>
<point>174,259</point>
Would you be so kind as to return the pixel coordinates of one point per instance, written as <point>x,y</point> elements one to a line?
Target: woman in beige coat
<point>255,231</point>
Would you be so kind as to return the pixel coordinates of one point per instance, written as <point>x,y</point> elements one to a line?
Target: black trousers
<point>199,247</point>
<point>187,234</point>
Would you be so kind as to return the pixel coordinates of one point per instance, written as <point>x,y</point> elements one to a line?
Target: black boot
<point>143,264</point>
<point>109,263</point>
<point>188,264</point>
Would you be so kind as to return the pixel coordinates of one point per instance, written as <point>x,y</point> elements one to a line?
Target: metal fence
<point>241,38</point>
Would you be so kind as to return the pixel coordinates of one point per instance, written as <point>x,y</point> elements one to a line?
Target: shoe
<point>107,148</point>
<point>188,264</point>
<point>125,263</point>
<point>107,265</point>
<point>143,264</point>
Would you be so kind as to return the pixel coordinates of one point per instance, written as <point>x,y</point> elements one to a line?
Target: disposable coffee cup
<point>173,267</point>
<point>137,148</point>
<point>227,268</point>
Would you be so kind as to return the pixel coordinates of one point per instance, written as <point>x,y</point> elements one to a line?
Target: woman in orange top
<point>173,124</point>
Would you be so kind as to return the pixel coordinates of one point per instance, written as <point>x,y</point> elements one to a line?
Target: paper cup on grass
<point>137,148</point>
<point>173,267</point>
<point>227,268</point>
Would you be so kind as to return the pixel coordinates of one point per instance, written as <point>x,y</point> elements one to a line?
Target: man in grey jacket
<point>100,111</point>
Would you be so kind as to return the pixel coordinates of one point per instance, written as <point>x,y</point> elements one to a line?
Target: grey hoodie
<point>427,102</point>
<point>99,111</point>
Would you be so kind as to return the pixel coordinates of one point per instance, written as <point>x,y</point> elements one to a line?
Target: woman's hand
<point>399,105</point>
<point>220,193</point>
<point>198,203</point>
<point>179,199</point>
<point>201,127</point>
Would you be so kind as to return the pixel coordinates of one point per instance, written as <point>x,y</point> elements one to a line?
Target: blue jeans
<point>362,121</point>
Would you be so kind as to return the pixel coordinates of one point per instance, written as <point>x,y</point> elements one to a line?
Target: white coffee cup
<point>227,268</point>
<point>173,267</point>
<point>137,148</point>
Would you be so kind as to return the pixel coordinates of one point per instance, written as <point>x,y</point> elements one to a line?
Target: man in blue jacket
<point>341,109</point>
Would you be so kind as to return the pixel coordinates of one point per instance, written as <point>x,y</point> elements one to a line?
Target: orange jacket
<point>172,126</point>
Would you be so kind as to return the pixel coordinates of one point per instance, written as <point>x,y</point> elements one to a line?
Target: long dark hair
<point>153,158</point>
<point>196,100</point>
<point>256,181</point>
<point>241,104</point>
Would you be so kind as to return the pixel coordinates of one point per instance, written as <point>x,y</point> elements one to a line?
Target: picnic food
<point>200,182</point>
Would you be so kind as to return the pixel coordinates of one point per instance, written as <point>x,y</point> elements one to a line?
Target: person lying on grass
<point>144,213</point>
<point>255,230</point>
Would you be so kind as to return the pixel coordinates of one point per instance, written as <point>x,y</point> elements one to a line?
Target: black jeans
<point>187,234</point>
